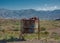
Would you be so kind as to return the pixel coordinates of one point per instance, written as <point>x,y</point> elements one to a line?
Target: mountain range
<point>27,13</point>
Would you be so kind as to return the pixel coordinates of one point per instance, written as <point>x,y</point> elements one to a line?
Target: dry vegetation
<point>11,28</point>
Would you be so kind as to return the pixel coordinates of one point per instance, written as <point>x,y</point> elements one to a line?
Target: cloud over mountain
<point>46,8</point>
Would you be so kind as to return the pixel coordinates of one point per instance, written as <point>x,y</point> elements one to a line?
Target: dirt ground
<point>36,41</point>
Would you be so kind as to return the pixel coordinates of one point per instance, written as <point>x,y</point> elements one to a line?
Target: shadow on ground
<point>11,40</point>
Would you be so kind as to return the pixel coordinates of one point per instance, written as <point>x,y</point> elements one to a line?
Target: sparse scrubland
<point>50,29</point>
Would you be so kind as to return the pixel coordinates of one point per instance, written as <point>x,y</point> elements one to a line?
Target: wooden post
<point>38,29</point>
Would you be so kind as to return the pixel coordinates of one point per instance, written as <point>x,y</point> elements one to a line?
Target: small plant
<point>55,35</point>
<point>46,34</point>
<point>43,29</point>
<point>17,23</point>
<point>16,29</point>
<point>3,30</point>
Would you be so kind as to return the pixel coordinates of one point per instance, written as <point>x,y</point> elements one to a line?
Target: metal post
<point>38,29</point>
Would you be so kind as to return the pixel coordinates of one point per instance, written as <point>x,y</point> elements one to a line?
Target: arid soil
<point>37,41</point>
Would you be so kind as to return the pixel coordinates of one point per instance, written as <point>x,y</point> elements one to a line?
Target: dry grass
<point>6,25</point>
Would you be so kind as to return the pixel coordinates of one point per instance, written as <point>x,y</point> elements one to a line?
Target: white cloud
<point>48,8</point>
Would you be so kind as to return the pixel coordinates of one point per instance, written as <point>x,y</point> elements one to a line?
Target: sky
<point>30,4</point>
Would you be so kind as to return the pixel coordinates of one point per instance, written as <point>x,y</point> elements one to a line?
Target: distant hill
<point>57,19</point>
<point>18,14</point>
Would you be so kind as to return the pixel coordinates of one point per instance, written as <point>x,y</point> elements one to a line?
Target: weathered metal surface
<point>29,25</point>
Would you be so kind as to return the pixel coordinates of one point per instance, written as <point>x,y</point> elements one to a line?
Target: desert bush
<point>55,35</point>
<point>43,29</point>
<point>46,33</point>
<point>17,23</point>
<point>16,29</point>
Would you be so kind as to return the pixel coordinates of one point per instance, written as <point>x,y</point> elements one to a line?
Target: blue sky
<point>30,4</point>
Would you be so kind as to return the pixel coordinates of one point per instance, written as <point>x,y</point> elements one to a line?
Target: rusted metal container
<point>29,25</point>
